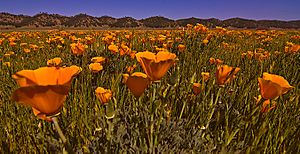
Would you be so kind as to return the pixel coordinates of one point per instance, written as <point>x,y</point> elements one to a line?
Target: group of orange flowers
<point>45,89</point>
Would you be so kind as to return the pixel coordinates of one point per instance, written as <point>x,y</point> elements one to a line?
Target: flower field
<point>190,90</point>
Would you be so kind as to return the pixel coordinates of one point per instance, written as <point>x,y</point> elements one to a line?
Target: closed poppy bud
<point>181,47</point>
<point>205,76</point>
<point>132,54</point>
<point>219,61</point>
<point>54,62</point>
<point>137,82</point>
<point>6,64</point>
<point>26,50</point>
<point>196,88</point>
<point>125,77</point>
<point>205,41</point>
<point>244,55</point>
<point>225,74</point>
<point>212,61</point>
<point>95,67</point>
<point>272,86</point>
<point>104,95</point>
<point>266,107</point>
<point>129,69</point>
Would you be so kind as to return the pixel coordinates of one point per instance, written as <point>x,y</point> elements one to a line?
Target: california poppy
<point>225,74</point>
<point>44,89</point>
<point>77,48</point>
<point>205,76</point>
<point>54,62</point>
<point>95,67</point>
<point>272,86</point>
<point>98,60</point>
<point>113,48</point>
<point>181,47</point>
<point>156,66</point>
<point>104,95</point>
<point>137,82</point>
<point>196,88</point>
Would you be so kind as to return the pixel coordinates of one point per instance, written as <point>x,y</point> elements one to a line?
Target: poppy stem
<point>60,133</point>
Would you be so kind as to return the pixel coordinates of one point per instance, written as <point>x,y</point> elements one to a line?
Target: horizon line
<point>150,17</point>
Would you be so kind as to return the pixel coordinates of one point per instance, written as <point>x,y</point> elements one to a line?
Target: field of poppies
<point>189,90</point>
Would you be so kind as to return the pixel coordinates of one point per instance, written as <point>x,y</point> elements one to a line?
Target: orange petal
<point>269,89</point>
<point>137,83</point>
<point>278,80</point>
<point>66,74</point>
<point>46,99</point>
<point>164,56</point>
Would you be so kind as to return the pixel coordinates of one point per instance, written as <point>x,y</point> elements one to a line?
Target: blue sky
<point>175,9</point>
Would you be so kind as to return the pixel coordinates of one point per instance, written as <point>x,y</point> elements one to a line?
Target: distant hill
<point>84,20</point>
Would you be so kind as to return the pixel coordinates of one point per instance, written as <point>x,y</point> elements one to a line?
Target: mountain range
<point>83,20</point>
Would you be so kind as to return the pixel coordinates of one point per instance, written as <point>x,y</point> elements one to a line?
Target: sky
<point>174,9</point>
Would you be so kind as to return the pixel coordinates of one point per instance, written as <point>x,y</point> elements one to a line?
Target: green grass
<point>167,118</point>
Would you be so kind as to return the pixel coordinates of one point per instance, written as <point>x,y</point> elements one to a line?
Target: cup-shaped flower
<point>196,88</point>
<point>95,67</point>
<point>113,48</point>
<point>156,66</point>
<point>205,76</point>
<point>77,48</point>
<point>272,86</point>
<point>54,62</point>
<point>137,82</point>
<point>44,100</point>
<point>225,74</point>
<point>44,89</point>
<point>104,95</point>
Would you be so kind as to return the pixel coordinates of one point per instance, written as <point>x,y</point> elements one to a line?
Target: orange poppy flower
<point>104,95</point>
<point>212,61</point>
<point>44,89</point>
<point>113,48</point>
<point>205,76</point>
<point>196,88</point>
<point>26,50</point>
<point>54,62</point>
<point>95,67</point>
<point>205,41</point>
<point>44,100</point>
<point>77,48</point>
<point>98,60</point>
<point>137,82</point>
<point>272,86</point>
<point>225,74</point>
<point>156,66</point>
<point>181,47</point>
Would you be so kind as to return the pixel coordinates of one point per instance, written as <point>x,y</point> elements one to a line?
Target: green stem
<point>183,107</point>
<point>213,103</point>
<point>60,133</point>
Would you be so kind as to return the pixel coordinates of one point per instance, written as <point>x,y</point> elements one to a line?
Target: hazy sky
<point>175,9</point>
